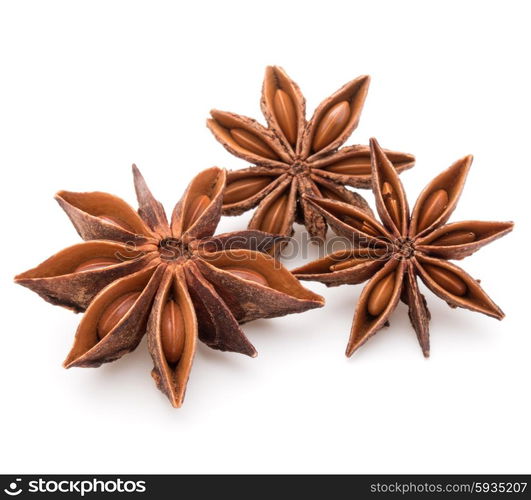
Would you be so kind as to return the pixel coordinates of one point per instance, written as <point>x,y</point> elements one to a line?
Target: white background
<point>87,88</point>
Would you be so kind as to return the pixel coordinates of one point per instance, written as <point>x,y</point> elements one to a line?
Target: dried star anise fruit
<point>392,253</point>
<point>175,281</point>
<point>295,157</point>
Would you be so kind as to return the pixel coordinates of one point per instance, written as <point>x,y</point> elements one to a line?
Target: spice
<point>139,273</point>
<point>391,254</point>
<point>294,157</point>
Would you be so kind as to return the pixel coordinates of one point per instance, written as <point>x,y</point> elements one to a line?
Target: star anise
<point>393,252</point>
<point>295,157</point>
<point>139,273</point>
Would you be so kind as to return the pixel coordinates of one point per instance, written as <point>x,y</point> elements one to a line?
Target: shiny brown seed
<point>248,274</point>
<point>252,143</point>
<point>360,225</point>
<point>286,115</point>
<point>114,312</point>
<point>446,279</point>
<point>432,208</point>
<point>274,217</point>
<point>196,208</point>
<point>172,331</point>
<point>455,238</point>
<point>96,263</point>
<point>348,264</point>
<point>331,125</point>
<point>350,166</point>
<point>244,188</point>
<point>391,203</point>
<point>380,295</point>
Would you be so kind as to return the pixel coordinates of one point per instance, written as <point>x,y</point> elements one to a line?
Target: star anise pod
<point>295,157</point>
<point>140,273</point>
<point>393,252</point>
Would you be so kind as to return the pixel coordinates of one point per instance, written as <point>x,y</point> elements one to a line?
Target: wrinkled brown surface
<point>218,326</point>
<point>56,282</point>
<point>248,300</point>
<point>285,152</point>
<point>161,260</point>
<point>396,244</point>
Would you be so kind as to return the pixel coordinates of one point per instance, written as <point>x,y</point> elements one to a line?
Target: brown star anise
<point>175,280</point>
<point>295,157</point>
<point>394,252</point>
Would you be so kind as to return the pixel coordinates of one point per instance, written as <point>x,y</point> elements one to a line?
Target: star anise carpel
<point>138,273</point>
<point>294,157</point>
<point>393,252</point>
